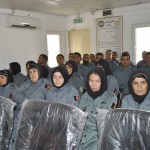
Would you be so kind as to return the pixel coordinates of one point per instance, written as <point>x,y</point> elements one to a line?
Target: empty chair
<point>6,122</point>
<point>124,129</point>
<point>45,125</point>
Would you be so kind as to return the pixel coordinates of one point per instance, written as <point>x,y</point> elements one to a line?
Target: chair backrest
<point>45,125</point>
<point>6,121</point>
<point>124,129</point>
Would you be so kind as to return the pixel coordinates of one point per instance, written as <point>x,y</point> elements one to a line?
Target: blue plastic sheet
<point>45,125</point>
<point>6,122</point>
<point>124,129</point>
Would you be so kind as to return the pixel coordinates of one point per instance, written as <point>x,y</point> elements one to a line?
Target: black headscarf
<point>15,68</point>
<point>73,65</point>
<point>63,72</point>
<point>8,75</point>
<point>30,62</point>
<point>103,88</point>
<point>140,74</point>
<point>39,69</point>
<point>104,63</point>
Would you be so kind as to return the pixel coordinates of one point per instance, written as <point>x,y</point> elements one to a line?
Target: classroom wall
<point>22,45</point>
<point>132,15</point>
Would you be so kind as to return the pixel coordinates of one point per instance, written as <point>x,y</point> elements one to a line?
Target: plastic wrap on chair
<point>45,125</point>
<point>124,129</point>
<point>6,121</point>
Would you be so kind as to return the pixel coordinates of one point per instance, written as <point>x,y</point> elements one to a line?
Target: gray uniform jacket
<point>77,81</point>
<point>141,63</point>
<point>49,72</point>
<point>30,90</point>
<point>113,85</point>
<point>66,95</point>
<point>113,65</point>
<point>8,90</point>
<point>145,67</point>
<point>90,133</point>
<point>84,70</point>
<point>129,102</point>
<point>122,75</point>
<point>19,79</point>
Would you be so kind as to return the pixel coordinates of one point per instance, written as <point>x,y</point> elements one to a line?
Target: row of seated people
<point>96,95</point>
<point>117,72</point>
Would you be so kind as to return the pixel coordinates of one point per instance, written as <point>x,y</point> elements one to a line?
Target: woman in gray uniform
<point>95,97</point>
<point>34,88</point>
<point>7,87</point>
<point>139,96</point>
<point>62,92</point>
<point>74,78</point>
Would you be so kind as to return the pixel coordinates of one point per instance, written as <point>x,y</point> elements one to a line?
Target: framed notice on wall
<point>109,34</point>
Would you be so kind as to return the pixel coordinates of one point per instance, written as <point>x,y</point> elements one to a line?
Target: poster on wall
<point>109,34</point>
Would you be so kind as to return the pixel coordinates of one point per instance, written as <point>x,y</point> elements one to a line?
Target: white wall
<point>22,45</point>
<point>131,15</point>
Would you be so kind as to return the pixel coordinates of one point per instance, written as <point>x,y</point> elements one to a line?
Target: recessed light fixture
<point>51,2</point>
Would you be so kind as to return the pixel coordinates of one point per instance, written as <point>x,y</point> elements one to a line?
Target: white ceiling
<point>66,7</point>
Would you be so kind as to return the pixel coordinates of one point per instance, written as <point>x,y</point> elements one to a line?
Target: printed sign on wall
<point>109,34</point>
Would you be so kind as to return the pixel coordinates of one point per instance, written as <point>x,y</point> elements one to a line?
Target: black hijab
<point>140,74</point>
<point>15,68</point>
<point>73,65</point>
<point>8,75</point>
<point>105,64</point>
<point>39,69</point>
<point>63,72</point>
<point>103,88</point>
<point>30,62</point>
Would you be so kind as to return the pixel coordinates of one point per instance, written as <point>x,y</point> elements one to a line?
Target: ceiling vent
<point>107,12</point>
<point>8,20</point>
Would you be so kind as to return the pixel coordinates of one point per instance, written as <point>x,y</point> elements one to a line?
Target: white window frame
<point>134,26</point>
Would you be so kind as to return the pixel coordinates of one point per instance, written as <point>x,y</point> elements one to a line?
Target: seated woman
<point>74,78</point>
<point>34,88</point>
<point>139,96</point>
<point>62,92</point>
<point>95,97</point>
<point>15,69</point>
<point>7,87</point>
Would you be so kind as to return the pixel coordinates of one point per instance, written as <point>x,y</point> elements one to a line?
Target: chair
<point>45,125</point>
<point>6,122</point>
<point>124,129</point>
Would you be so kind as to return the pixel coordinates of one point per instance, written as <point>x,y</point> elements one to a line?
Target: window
<point>53,44</point>
<point>141,40</point>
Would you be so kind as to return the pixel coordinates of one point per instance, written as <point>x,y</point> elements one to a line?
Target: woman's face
<point>69,69</point>
<point>34,75</point>
<point>94,82</point>
<point>58,79</point>
<point>3,80</point>
<point>140,86</point>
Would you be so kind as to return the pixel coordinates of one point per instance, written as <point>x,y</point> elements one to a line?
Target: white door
<point>79,41</point>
